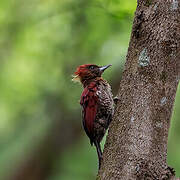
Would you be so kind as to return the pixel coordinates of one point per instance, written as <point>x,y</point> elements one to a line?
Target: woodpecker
<point>96,101</point>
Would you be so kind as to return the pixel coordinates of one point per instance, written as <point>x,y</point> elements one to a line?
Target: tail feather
<point>99,152</point>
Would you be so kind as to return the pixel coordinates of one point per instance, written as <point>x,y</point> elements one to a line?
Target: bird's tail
<point>99,152</point>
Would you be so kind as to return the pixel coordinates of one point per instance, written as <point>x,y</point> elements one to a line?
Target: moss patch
<point>148,3</point>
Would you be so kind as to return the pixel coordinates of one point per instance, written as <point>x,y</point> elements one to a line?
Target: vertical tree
<point>136,145</point>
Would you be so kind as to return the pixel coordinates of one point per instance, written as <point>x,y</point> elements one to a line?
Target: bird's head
<point>88,72</point>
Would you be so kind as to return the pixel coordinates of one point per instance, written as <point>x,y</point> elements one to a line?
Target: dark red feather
<point>89,102</point>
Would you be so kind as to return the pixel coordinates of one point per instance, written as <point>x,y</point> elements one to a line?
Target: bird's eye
<point>91,67</point>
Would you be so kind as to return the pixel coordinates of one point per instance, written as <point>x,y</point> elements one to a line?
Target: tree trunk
<point>136,145</point>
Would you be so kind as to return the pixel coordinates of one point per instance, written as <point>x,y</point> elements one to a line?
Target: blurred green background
<point>41,44</point>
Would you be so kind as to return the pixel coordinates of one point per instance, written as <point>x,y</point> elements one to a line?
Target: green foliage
<point>174,135</point>
<point>42,42</point>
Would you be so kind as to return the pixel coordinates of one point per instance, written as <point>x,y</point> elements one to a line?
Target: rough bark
<point>136,145</point>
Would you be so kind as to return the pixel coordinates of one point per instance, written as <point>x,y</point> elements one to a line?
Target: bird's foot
<point>116,99</point>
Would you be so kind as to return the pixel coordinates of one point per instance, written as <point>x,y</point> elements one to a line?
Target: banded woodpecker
<point>96,101</point>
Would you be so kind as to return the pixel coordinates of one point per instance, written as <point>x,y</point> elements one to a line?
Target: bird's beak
<point>76,78</point>
<point>104,67</point>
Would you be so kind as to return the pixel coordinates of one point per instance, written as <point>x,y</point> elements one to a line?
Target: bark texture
<point>136,145</point>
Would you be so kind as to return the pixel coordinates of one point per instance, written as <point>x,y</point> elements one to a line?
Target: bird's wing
<point>89,102</point>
